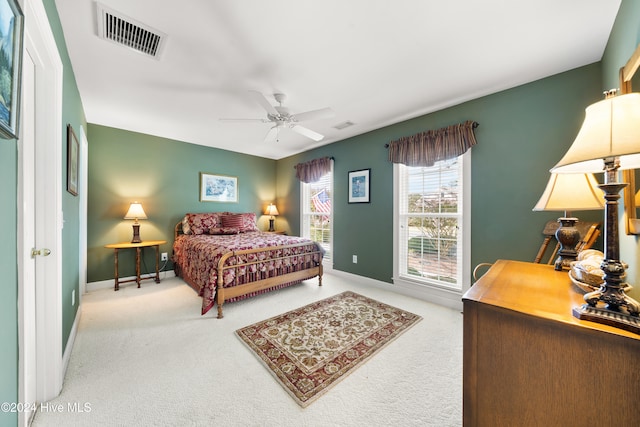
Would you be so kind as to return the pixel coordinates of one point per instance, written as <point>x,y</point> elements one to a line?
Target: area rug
<point>312,348</point>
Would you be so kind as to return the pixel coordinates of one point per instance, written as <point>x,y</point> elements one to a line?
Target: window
<point>431,244</point>
<point>317,213</point>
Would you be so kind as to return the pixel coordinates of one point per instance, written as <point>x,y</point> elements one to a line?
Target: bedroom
<point>541,116</point>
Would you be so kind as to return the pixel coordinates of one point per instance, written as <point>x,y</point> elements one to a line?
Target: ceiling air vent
<point>120,29</point>
<point>344,125</point>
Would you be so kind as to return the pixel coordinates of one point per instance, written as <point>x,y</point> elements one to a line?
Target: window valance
<point>426,148</point>
<point>313,170</point>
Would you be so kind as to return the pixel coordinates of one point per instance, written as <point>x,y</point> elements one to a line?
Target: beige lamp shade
<point>611,128</point>
<point>135,212</point>
<point>271,210</point>
<point>571,192</point>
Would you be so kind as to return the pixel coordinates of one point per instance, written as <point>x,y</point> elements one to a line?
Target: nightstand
<point>138,247</point>
<point>276,232</point>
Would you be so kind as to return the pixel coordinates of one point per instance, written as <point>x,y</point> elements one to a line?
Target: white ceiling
<point>373,62</point>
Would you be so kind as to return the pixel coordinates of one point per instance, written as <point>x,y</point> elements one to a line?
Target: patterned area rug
<point>313,347</point>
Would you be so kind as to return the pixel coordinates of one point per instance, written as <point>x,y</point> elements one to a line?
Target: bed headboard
<point>177,230</point>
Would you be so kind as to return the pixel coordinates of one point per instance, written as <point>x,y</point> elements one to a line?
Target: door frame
<point>48,212</point>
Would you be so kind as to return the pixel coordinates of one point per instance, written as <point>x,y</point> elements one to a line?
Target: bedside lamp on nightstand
<point>273,211</point>
<point>135,213</point>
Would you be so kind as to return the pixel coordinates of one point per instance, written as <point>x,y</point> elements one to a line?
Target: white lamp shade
<point>271,210</point>
<point>571,192</point>
<point>611,128</point>
<point>135,212</point>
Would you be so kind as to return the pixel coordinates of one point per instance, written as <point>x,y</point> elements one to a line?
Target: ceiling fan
<point>283,119</point>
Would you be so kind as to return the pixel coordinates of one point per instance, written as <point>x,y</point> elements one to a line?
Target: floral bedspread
<point>198,257</point>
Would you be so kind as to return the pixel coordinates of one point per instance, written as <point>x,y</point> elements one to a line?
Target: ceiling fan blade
<point>264,102</point>
<point>244,120</point>
<point>307,132</point>
<point>272,134</point>
<point>323,113</point>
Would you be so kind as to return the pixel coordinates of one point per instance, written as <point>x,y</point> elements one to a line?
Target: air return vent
<point>344,125</point>
<point>120,29</point>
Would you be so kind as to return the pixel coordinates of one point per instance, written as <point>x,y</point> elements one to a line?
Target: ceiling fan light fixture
<point>281,117</point>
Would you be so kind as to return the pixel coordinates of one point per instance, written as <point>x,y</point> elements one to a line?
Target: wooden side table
<point>276,232</point>
<point>138,247</point>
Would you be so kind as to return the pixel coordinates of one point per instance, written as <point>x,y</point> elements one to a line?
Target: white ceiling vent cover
<point>120,29</point>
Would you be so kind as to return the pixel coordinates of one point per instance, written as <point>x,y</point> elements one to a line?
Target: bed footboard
<point>257,272</point>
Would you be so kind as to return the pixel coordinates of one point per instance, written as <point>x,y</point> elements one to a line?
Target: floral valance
<point>313,170</point>
<point>426,148</point>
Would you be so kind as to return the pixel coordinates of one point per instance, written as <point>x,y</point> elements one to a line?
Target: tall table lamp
<point>135,213</point>
<point>608,140</point>
<point>273,211</point>
<point>569,192</point>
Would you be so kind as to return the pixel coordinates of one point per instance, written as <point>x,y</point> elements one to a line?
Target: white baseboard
<point>72,339</point>
<point>441,297</point>
<point>106,284</point>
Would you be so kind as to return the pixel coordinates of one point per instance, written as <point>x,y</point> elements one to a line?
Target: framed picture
<point>72,161</point>
<point>218,188</point>
<point>11,31</point>
<point>359,182</point>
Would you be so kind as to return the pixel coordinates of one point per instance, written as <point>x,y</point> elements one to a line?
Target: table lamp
<point>135,213</point>
<point>569,192</point>
<point>273,211</point>
<point>608,140</point>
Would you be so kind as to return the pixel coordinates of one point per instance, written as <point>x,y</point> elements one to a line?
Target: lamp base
<point>568,236</point>
<point>136,234</point>
<point>272,224</point>
<point>616,319</point>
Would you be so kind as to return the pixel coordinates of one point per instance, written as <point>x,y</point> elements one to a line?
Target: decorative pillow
<point>243,222</point>
<point>224,230</point>
<point>200,223</point>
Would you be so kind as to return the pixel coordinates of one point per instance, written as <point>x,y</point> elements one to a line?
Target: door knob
<point>44,252</point>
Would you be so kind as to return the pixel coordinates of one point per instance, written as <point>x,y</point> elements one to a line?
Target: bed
<point>224,257</point>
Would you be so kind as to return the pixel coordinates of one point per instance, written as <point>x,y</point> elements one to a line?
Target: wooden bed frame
<point>225,293</point>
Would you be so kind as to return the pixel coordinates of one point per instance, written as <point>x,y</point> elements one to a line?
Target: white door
<point>39,216</point>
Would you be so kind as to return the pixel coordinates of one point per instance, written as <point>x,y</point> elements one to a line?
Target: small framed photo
<point>218,188</point>
<point>359,183</point>
<point>12,30</point>
<point>72,161</point>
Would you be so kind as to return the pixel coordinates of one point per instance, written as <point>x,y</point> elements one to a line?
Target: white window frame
<point>305,214</point>
<point>421,288</point>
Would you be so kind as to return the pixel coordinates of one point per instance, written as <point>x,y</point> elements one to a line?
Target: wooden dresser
<point>529,362</point>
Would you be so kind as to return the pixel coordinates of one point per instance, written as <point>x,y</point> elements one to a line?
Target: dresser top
<point>534,289</point>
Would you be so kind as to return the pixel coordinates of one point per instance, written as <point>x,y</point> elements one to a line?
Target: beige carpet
<point>145,357</point>
<point>311,348</point>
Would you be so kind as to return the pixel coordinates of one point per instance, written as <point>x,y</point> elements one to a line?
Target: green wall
<point>9,287</point>
<point>163,175</point>
<point>73,114</point>
<point>523,132</point>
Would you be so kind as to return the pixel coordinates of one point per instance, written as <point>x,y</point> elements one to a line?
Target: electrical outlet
<point>163,256</point>
<point>355,259</point>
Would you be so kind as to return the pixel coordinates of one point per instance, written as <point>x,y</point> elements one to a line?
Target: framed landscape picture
<point>359,182</point>
<point>218,188</point>
<point>11,33</point>
<point>73,149</point>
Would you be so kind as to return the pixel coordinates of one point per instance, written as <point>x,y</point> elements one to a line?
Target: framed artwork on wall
<point>11,31</point>
<point>72,161</point>
<point>218,188</point>
<point>359,183</point>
